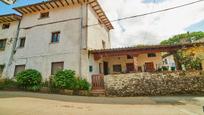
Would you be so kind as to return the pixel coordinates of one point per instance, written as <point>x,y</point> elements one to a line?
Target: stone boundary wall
<point>155,84</point>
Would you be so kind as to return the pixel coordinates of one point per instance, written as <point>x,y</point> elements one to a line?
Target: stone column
<point>135,59</point>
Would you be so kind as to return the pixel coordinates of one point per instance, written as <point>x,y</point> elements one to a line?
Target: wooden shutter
<point>56,66</point>
<point>18,69</point>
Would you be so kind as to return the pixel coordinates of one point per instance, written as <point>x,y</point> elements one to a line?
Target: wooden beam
<point>78,2</point>
<point>72,2</point>
<point>67,2</point>
<point>32,9</point>
<point>61,2</point>
<point>1,20</point>
<point>55,4</point>
<point>22,12</point>
<point>27,9</point>
<point>92,2</point>
<point>46,6</point>
<point>41,7</point>
<point>51,5</point>
<point>37,8</point>
<point>5,19</point>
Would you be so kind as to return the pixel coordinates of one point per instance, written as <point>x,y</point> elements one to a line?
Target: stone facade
<point>154,84</point>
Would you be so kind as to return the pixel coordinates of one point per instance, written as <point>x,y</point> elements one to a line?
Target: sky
<point>150,29</point>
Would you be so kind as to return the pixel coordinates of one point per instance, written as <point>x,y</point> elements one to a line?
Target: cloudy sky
<point>149,29</point>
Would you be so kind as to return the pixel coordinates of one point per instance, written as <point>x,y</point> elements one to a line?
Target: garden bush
<point>64,79</point>
<point>82,84</point>
<point>29,79</point>
<point>8,84</point>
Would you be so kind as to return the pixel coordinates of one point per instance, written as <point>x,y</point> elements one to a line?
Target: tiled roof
<point>9,18</point>
<point>52,4</point>
<point>146,47</point>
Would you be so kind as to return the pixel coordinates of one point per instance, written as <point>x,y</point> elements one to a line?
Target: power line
<point>154,12</point>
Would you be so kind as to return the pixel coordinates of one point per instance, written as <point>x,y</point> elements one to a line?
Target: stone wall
<point>154,84</point>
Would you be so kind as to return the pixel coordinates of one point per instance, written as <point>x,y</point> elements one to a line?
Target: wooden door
<point>98,81</point>
<point>149,67</point>
<point>105,68</point>
<point>130,67</point>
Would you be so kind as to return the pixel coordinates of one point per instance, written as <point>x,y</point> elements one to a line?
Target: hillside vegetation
<point>180,37</point>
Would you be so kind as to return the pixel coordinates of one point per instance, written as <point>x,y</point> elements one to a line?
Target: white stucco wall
<point>96,33</point>
<point>170,61</point>
<point>10,35</point>
<point>39,52</point>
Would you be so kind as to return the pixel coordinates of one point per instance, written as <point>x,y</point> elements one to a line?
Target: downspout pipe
<point>13,48</point>
<point>83,36</point>
<point>81,42</point>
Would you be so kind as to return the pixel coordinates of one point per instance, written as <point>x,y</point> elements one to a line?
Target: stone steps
<point>98,92</point>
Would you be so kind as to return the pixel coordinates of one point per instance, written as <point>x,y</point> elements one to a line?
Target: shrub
<point>164,68</point>
<point>82,84</point>
<point>64,79</point>
<point>8,84</point>
<point>29,79</point>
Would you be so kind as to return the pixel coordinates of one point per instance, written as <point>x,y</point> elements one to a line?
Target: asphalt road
<point>25,103</point>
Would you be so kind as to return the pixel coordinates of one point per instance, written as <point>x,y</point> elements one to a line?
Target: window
<point>2,44</point>
<point>90,68</point>
<point>56,66</point>
<point>22,42</point>
<point>18,69</point>
<point>5,26</point>
<point>129,57</point>
<point>151,55</point>
<point>103,44</point>
<point>117,68</point>
<point>44,15</point>
<point>165,61</point>
<point>55,37</point>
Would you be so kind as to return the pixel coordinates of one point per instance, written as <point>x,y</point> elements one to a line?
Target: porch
<point>148,62</point>
<point>144,58</point>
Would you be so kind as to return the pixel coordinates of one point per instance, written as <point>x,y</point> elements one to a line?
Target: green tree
<point>177,38</point>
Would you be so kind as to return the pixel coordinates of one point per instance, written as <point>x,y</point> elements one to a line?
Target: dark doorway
<point>130,67</point>
<point>149,67</point>
<point>105,68</point>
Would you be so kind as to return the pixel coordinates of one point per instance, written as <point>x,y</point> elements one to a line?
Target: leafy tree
<point>190,61</point>
<point>187,36</point>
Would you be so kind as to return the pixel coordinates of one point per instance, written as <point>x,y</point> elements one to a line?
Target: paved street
<point>24,103</point>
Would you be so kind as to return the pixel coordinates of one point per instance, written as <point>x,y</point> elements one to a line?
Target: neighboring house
<point>168,61</point>
<point>8,32</point>
<point>57,34</point>
<point>132,59</point>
